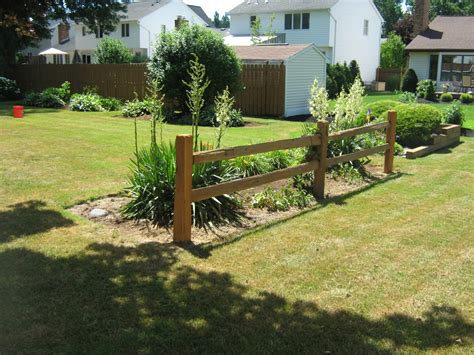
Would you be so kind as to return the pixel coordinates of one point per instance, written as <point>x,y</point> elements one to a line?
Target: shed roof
<point>270,52</point>
<point>449,33</point>
<point>261,6</point>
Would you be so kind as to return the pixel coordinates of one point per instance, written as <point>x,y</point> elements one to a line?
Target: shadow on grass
<point>446,150</point>
<point>205,251</point>
<point>28,218</point>
<point>113,299</point>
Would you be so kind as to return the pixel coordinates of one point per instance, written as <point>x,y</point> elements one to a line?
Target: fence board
<point>382,74</point>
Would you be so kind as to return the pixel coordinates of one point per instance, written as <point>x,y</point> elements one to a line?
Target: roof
<point>262,6</point>
<point>270,52</point>
<point>448,33</point>
<point>138,10</point>
<point>202,14</point>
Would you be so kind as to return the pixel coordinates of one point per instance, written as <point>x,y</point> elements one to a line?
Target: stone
<point>98,213</point>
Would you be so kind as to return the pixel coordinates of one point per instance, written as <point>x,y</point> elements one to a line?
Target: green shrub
<point>139,58</point>
<point>410,80</point>
<point>446,97</point>
<point>407,97</point>
<point>136,108</point>
<point>375,110</point>
<point>392,83</point>
<point>171,61</point>
<point>152,184</point>
<point>9,89</point>
<point>86,102</point>
<point>416,123</point>
<point>112,51</point>
<point>110,103</point>
<point>281,200</point>
<point>45,99</point>
<point>426,90</point>
<point>251,165</point>
<point>466,98</point>
<point>454,114</point>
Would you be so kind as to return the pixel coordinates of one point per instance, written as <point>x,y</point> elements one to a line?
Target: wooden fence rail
<point>185,195</point>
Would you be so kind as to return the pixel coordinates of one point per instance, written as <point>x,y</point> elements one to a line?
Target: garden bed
<point>447,135</point>
<point>108,210</point>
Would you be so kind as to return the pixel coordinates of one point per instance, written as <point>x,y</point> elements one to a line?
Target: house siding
<point>420,63</point>
<point>351,43</point>
<point>318,32</point>
<point>300,74</point>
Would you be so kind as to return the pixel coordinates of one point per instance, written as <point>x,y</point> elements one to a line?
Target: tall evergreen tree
<point>217,20</point>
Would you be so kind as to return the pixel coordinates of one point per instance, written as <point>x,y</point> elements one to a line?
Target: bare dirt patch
<point>143,232</point>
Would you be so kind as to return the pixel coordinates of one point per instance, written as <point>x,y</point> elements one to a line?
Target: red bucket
<point>18,111</point>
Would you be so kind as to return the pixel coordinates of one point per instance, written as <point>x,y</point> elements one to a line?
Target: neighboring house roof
<point>262,6</point>
<point>271,52</point>
<point>202,14</point>
<point>138,10</point>
<point>446,33</point>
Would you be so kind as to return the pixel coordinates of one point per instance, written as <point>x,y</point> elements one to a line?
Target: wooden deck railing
<point>185,195</point>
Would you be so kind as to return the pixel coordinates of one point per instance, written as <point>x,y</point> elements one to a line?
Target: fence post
<point>182,218</point>
<point>390,152</point>
<point>320,173</point>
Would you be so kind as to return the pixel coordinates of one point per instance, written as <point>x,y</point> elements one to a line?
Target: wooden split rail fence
<point>185,195</point>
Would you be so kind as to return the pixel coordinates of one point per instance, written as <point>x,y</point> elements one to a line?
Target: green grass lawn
<point>468,109</point>
<point>382,270</point>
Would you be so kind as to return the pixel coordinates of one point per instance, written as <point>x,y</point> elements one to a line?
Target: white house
<point>139,26</point>
<point>303,63</point>
<point>342,29</point>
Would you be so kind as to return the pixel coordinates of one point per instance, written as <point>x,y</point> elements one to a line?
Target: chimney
<point>421,16</point>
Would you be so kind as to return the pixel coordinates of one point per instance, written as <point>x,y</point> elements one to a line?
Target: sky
<point>210,6</point>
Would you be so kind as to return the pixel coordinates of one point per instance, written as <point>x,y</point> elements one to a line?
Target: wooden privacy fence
<point>111,80</point>
<point>263,93</point>
<point>382,74</point>
<point>185,195</point>
<point>264,90</point>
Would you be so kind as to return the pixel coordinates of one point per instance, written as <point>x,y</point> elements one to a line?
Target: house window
<point>252,20</point>
<point>58,59</point>
<point>67,59</point>
<point>433,75</point>
<point>86,59</point>
<point>366,27</point>
<point>297,21</point>
<point>454,67</point>
<point>83,31</point>
<point>288,21</point>
<point>305,21</point>
<point>99,32</point>
<point>125,30</point>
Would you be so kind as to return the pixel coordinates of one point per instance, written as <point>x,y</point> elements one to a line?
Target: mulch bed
<point>143,232</point>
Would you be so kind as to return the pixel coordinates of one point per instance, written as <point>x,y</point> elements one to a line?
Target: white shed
<point>303,63</point>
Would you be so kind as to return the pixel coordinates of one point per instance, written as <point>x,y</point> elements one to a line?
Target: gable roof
<point>198,10</point>
<point>138,10</point>
<point>261,6</point>
<point>271,52</point>
<point>449,33</point>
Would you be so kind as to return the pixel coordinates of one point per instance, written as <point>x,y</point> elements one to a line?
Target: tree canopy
<point>391,11</point>
<point>24,23</point>
<point>392,54</point>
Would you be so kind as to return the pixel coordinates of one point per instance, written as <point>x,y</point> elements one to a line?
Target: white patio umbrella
<point>52,51</point>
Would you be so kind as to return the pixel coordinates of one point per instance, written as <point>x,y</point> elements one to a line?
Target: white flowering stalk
<point>224,104</point>
<point>355,101</point>
<point>318,103</point>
